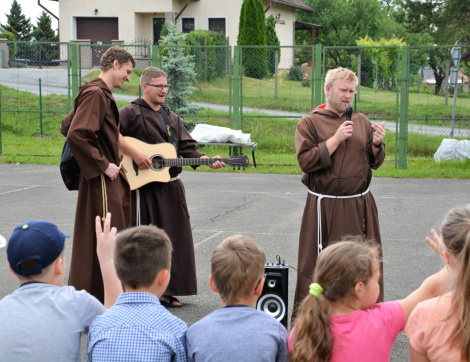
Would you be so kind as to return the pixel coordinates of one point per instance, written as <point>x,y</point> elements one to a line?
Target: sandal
<point>170,302</point>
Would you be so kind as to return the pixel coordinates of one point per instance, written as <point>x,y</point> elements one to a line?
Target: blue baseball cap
<point>34,240</point>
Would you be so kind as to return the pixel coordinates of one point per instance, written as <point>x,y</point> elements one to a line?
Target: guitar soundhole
<point>157,162</point>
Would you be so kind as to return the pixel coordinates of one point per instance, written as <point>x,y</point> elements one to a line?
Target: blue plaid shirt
<point>137,328</point>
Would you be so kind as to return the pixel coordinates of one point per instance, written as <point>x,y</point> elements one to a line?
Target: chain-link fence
<point>418,91</point>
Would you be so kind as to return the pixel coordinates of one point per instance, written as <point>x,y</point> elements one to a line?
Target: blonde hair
<point>340,73</point>
<point>339,268</point>
<point>455,231</point>
<point>237,264</point>
<point>151,72</point>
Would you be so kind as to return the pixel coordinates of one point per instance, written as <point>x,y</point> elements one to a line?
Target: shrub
<point>272,39</point>
<point>211,61</point>
<point>252,31</point>
<point>295,73</point>
<point>307,80</point>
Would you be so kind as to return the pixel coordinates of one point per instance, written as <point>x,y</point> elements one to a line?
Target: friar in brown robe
<point>336,157</point>
<point>93,138</point>
<point>163,203</point>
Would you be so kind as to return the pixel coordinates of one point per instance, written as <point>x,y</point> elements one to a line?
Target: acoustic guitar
<point>164,156</point>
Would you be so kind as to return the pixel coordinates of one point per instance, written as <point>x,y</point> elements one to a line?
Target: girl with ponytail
<point>339,320</point>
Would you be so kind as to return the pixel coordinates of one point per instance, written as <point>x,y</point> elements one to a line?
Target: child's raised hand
<point>436,243</point>
<point>105,242</point>
<point>105,239</point>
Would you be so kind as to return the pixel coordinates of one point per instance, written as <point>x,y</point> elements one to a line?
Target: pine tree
<point>241,21</point>
<point>43,31</point>
<point>272,39</point>
<point>179,68</point>
<point>252,31</point>
<point>17,23</point>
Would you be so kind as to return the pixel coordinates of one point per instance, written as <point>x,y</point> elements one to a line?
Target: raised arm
<point>432,286</point>
<point>106,241</point>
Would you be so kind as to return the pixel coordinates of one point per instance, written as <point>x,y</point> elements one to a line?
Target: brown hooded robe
<point>346,172</point>
<point>164,204</point>
<point>93,138</point>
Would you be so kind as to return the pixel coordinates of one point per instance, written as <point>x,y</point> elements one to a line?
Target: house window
<point>217,24</point>
<point>188,25</point>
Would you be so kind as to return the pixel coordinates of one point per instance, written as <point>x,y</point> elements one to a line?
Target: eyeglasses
<point>259,281</point>
<point>160,87</point>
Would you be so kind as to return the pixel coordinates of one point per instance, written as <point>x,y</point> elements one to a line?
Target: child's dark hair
<point>141,252</point>
<point>455,232</point>
<point>339,268</point>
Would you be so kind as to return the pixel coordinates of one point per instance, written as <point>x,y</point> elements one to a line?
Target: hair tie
<point>316,289</point>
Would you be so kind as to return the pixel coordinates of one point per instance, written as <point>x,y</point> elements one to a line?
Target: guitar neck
<point>169,162</point>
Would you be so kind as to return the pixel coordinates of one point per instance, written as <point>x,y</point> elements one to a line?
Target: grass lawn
<point>26,137</point>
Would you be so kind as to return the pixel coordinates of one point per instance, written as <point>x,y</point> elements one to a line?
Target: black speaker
<point>274,298</point>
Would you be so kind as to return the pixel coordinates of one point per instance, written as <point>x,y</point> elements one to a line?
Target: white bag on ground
<point>208,133</point>
<point>452,150</point>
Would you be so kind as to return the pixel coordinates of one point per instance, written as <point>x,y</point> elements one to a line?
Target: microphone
<point>348,113</point>
<point>348,117</point>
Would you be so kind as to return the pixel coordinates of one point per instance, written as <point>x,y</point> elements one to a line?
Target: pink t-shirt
<point>365,335</point>
<point>429,331</point>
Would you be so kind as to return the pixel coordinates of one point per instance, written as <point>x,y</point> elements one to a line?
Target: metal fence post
<point>317,76</point>
<point>40,105</point>
<point>236,88</point>
<point>75,76</point>
<point>404,99</point>
<point>155,55</point>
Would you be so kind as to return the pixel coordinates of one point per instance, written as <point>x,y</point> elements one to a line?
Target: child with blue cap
<point>42,320</point>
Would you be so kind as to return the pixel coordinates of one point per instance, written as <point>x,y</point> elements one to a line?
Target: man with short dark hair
<point>163,203</point>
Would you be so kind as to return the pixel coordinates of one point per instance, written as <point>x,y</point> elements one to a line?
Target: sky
<point>30,9</point>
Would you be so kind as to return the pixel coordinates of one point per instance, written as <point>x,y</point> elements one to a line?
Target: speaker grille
<point>273,305</point>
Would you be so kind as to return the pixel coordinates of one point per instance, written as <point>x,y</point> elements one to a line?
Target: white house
<point>112,21</point>
<point>109,20</point>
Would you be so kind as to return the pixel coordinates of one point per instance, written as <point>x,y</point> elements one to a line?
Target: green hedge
<point>210,52</point>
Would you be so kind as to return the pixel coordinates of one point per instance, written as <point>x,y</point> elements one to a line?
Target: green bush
<point>274,43</point>
<point>307,80</point>
<point>252,31</point>
<point>210,53</point>
<point>295,73</point>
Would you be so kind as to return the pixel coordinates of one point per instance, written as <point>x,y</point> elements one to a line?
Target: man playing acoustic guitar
<point>163,203</point>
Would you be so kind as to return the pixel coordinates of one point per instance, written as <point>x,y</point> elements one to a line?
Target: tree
<point>384,53</point>
<point>17,23</point>
<point>179,68</point>
<point>445,20</point>
<point>272,40</point>
<point>241,21</point>
<point>344,21</point>
<point>43,31</point>
<point>252,31</point>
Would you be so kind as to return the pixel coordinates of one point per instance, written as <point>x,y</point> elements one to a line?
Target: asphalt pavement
<point>267,208</point>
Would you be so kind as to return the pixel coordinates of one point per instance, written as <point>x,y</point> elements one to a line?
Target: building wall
<point>136,18</point>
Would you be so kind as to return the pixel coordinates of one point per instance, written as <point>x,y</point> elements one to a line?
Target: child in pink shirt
<point>439,328</point>
<point>339,320</point>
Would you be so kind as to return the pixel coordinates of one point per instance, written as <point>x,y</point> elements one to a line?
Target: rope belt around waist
<point>319,198</point>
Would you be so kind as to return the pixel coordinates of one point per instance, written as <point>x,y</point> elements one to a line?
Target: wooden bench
<point>231,144</point>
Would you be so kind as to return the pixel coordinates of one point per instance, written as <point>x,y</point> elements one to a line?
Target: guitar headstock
<point>238,161</point>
